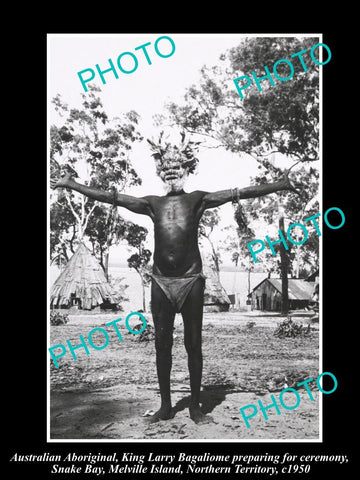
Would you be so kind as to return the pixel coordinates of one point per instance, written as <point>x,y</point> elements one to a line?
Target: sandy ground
<point>106,395</point>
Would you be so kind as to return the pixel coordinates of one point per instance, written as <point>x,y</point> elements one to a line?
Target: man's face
<point>173,174</point>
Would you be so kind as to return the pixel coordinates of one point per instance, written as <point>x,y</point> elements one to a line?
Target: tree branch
<point>82,212</point>
<point>67,196</point>
<point>88,216</point>
<point>72,239</point>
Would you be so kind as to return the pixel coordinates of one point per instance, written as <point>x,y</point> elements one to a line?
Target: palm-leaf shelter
<point>215,296</point>
<point>82,283</point>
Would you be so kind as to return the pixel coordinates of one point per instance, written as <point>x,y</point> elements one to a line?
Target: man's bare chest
<point>181,209</point>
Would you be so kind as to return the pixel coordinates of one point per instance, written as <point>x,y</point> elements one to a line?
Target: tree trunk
<point>143,293</point>
<point>106,265</point>
<point>284,271</point>
<point>65,253</point>
<point>215,256</point>
<point>297,259</point>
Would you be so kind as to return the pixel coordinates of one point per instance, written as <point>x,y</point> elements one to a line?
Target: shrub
<point>250,325</point>
<point>288,328</point>
<point>147,335</point>
<point>57,318</point>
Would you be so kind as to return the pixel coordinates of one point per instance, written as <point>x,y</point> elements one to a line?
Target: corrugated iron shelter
<point>267,294</point>
<point>82,283</point>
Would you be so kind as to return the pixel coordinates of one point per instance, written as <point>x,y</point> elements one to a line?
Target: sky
<point>146,91</point>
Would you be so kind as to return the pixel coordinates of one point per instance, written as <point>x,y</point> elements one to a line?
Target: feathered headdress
<point>184,152</point>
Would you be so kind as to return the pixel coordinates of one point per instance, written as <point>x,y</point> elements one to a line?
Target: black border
<point>26,330</point>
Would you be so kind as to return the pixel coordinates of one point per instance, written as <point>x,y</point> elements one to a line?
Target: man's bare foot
<point>198,416</point>
<point>164,413</point>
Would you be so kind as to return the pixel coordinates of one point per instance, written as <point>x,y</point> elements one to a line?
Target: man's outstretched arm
<point>215,199</point>
<point>135,204</point>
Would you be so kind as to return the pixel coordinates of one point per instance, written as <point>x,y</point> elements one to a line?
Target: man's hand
<point>61,182</point>
<point>293,187</point>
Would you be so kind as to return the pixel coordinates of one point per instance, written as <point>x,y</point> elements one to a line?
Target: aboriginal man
<point>177,280</point>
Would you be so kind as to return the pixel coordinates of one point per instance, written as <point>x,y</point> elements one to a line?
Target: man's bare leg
<point>163,316</point>
<point>192,313</point>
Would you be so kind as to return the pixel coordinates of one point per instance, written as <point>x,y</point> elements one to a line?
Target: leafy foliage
<point>282,120</point>
<point>263,210</point>
<point>120,288</point>
<point>148,335</point>
<point>94,147</point>
<point>208,222</point>
<point>139,261</point>
<point>58,318</point>
<point>288,328</point>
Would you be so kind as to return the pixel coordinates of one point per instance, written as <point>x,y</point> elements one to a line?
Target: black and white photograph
<point>185,185</point>
<point>182,299</point>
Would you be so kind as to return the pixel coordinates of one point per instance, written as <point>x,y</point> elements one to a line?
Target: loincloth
<point>176,289</point>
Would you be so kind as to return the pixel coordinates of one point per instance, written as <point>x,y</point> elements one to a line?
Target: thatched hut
<point>215,296</point>
<point>82,284</point>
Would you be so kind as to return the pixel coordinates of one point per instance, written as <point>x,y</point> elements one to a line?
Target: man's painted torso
<point>176,220</point>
